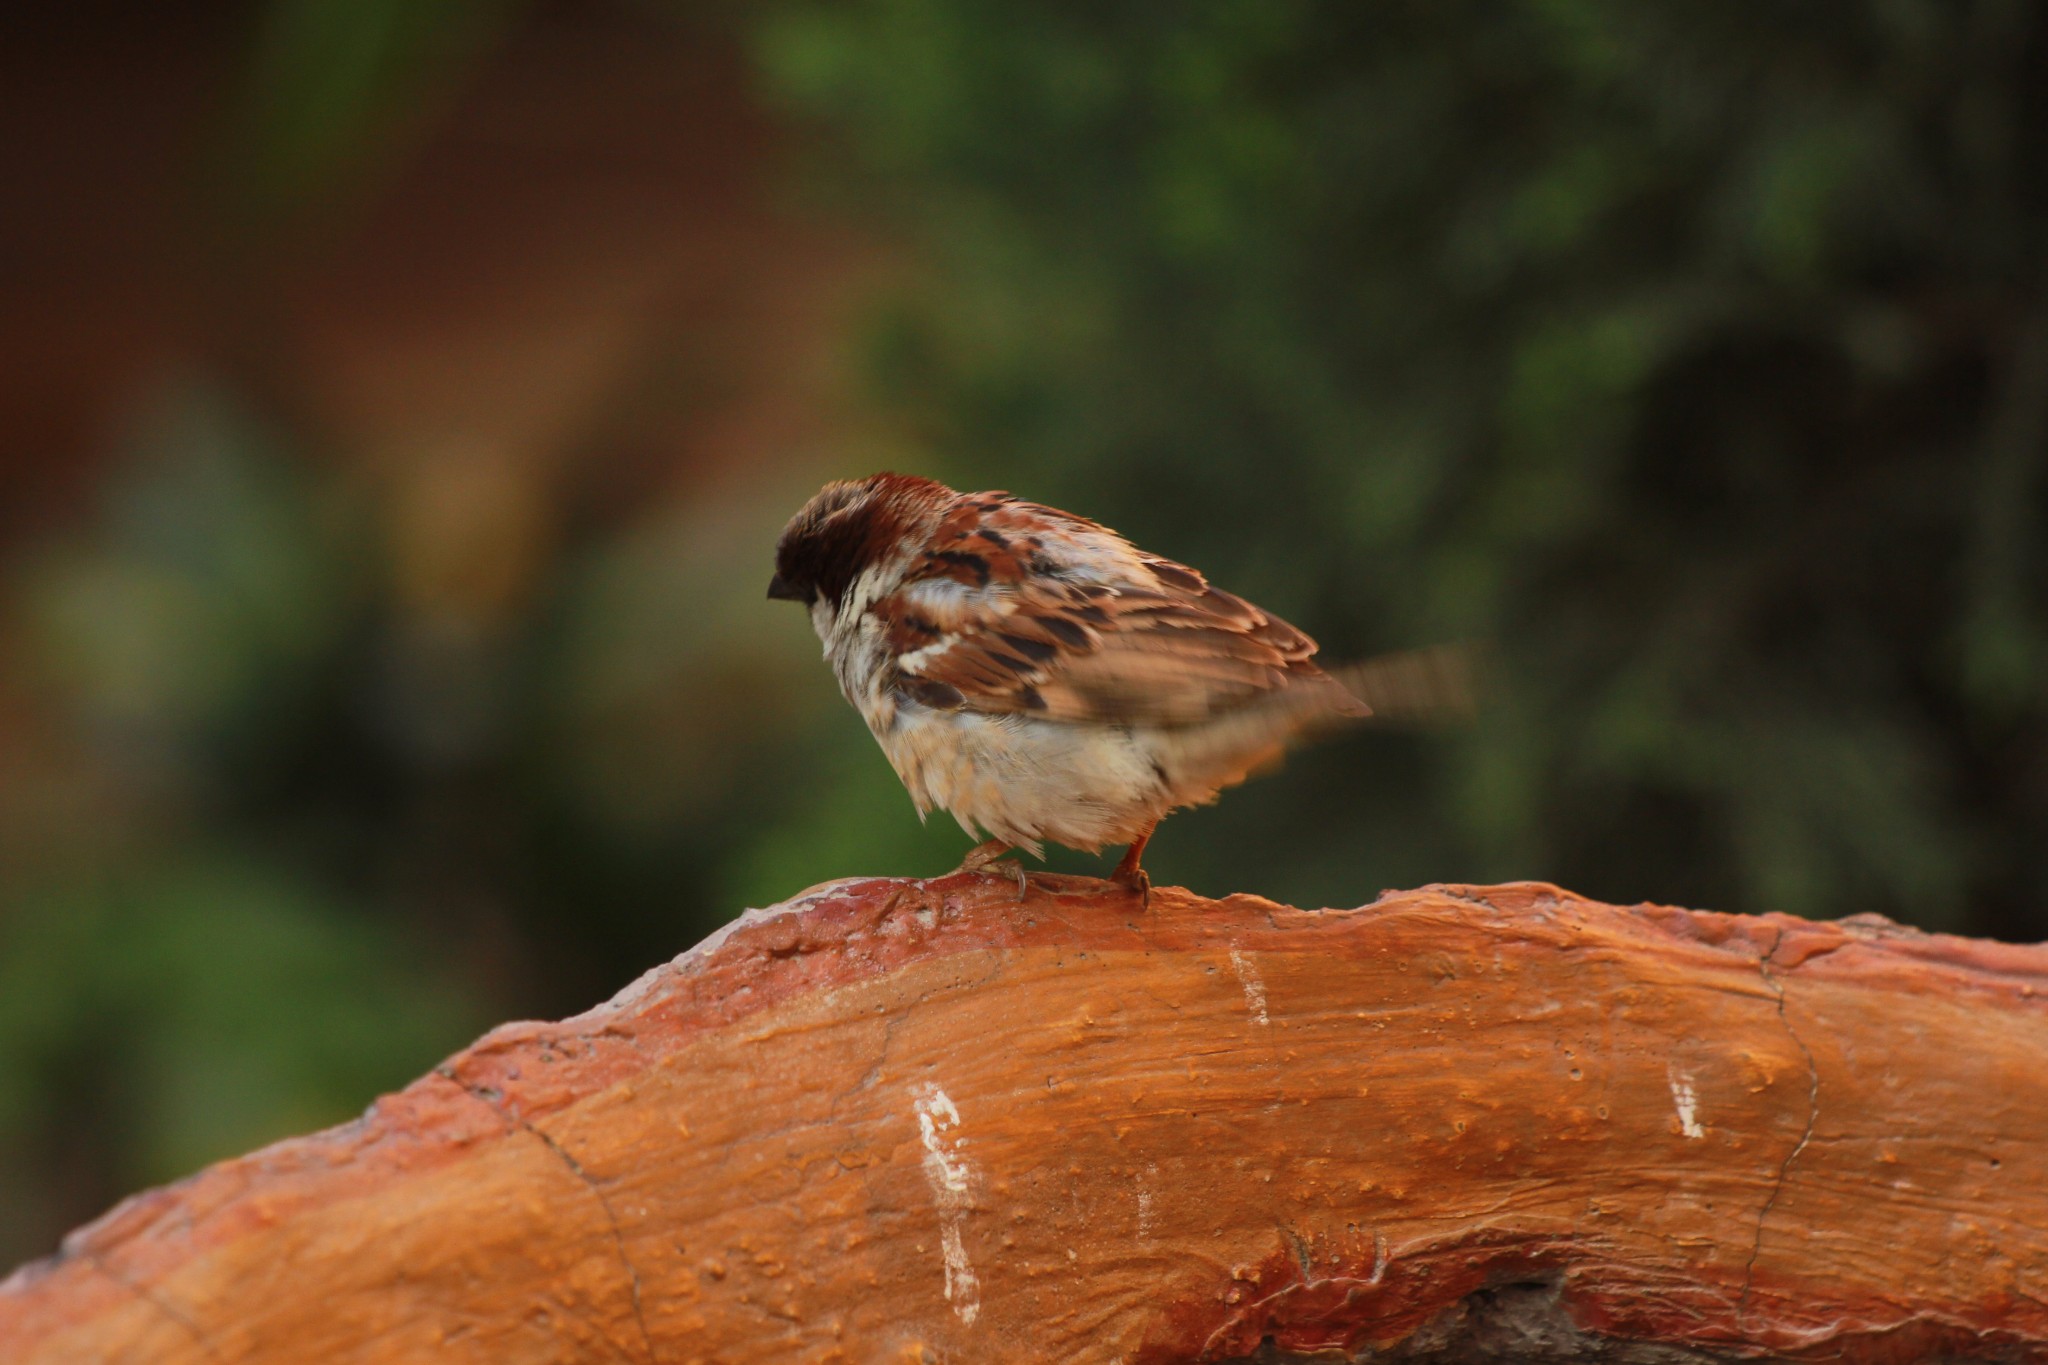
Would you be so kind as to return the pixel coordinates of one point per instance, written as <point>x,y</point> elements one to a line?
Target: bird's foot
<point>987,856</point>
<point>1132,877</point>
<point>1137,881</point>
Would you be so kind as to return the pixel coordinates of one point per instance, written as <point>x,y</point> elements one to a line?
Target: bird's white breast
<point>1025,780</point>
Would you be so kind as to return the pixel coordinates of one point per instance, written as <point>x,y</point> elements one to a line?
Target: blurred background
<point>399,399</point>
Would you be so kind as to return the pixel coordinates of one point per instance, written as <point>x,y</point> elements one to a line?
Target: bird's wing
<point>1016,608</point>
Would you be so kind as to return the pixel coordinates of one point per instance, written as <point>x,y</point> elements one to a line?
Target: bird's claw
<point>1015,870</point>
<point>988,857</point>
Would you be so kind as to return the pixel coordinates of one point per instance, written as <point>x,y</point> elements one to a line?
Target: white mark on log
<point>1145,1202</point>
<point>951,1177</point>
<point>963,1291</point>
<point>1254,989</point>
<point>1687,1103</point>
<point>947,1170</point>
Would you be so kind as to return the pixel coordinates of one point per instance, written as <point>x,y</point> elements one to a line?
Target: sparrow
<point>1040,678</point>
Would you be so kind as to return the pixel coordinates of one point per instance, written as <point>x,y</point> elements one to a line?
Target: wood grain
<point>921,1121</point>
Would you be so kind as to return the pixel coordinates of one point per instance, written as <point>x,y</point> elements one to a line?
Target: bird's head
<point>845,529</point>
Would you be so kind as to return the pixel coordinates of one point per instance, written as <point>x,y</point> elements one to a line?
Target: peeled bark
<point>906,1121</point>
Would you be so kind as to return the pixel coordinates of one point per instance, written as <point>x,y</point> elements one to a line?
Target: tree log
<point>904,1121</point>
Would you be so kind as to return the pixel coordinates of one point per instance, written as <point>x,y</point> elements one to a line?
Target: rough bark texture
<point>904,1121</point>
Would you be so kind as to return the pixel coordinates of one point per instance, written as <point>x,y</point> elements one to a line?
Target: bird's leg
<point>1129,875</point>
<point>986,855</point>
<point>981,855</point>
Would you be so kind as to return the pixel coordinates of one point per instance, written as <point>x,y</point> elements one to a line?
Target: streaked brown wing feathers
<point>1172,652</point>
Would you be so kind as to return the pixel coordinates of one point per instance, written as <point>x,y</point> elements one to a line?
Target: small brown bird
<point>1038,677</point>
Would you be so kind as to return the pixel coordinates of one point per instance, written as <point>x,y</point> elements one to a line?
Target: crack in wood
<point>1777,989</point>
<point>157,1301</point>
<point>485,1095</point>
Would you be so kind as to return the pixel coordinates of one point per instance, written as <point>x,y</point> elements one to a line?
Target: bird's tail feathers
<point>1435,685</point>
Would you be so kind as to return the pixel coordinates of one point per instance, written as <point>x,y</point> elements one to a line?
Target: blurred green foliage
<point>1694,357</point>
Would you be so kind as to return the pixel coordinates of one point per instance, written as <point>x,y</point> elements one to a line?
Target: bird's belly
<point>1025,780</point>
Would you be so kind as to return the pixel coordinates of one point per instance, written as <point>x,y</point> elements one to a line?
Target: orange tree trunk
<point>926,1121</point>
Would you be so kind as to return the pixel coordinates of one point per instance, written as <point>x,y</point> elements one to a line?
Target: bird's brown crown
<point>844,528</point>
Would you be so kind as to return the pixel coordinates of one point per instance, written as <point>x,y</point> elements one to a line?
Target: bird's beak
<point>779,591</point>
